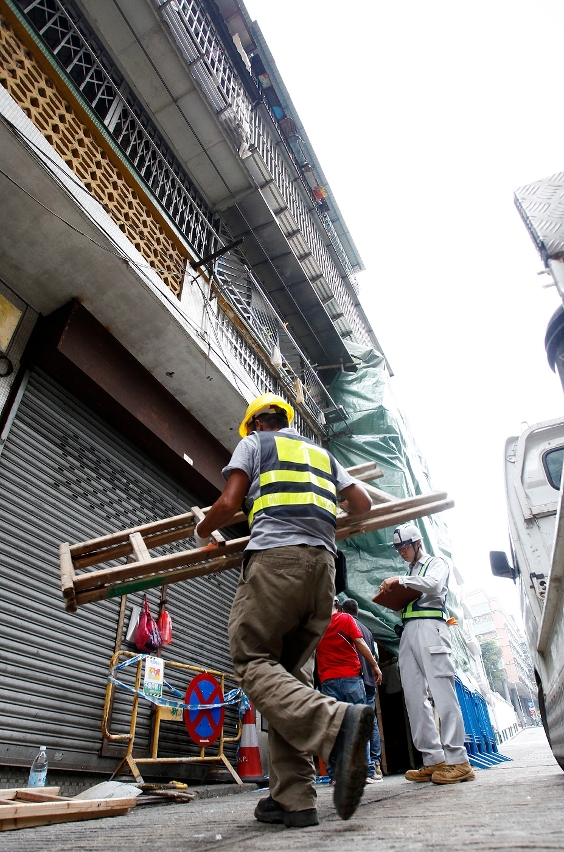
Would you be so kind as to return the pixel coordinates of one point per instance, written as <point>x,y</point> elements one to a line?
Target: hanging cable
<point>221,356</point>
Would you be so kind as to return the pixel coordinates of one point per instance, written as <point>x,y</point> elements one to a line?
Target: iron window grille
<point>241,289</point>
<point>197,38</point>
<point>97,80</point>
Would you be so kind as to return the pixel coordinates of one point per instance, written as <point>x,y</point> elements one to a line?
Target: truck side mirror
<point>500,565</point>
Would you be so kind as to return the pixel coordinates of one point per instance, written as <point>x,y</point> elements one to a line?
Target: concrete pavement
<point>518,805</point>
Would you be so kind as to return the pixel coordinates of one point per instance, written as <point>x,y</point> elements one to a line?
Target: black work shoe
<point>270,811</point>
<point>348,758</point>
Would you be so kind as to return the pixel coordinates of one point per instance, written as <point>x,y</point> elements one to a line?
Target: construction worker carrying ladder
<point>425,661</point>
<point>290,488</point>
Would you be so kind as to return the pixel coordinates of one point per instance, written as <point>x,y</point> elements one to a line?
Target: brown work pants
<point>280,612</point>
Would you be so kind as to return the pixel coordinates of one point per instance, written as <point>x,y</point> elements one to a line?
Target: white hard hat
<point>406,534</point>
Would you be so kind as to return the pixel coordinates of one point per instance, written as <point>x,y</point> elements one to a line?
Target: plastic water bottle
<point>38,771</point>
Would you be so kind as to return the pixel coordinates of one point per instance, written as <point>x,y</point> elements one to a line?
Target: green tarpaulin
<point>380,433</point>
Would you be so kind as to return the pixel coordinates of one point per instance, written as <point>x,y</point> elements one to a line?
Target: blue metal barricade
<point>480,739</point>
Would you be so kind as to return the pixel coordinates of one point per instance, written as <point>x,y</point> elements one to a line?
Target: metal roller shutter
<point>67,476</point>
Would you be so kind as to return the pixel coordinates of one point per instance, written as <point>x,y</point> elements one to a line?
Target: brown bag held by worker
<point>397,597</point>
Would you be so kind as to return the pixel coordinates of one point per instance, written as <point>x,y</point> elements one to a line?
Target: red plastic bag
<point>165,627</point>
<point>147,637</point>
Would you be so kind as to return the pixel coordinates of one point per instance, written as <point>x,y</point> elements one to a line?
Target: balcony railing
<point>250,369</point>
<point>289,371</point>
<point>321,269</point>
<point>96,79</point>
<point>231,341</point>
<point>323,215</point>
<point>196,36</point>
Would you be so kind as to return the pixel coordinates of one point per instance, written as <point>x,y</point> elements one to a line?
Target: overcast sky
<point>426,117</point>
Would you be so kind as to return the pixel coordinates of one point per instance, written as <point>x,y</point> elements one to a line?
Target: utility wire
<point>68,174</point>
<point>221,355</point>
<point>41,156</point>
<point>208,157</point>
<point>224,182</point>
<point>227,187</point>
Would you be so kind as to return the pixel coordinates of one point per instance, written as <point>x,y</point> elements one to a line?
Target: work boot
<point>378,769</point>
<point>268,810</point>
<point>425,773</point>
<point>348,758</point>
<point>453,774</point>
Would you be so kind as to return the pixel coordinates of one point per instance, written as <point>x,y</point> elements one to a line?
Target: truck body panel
<point>533,478</point>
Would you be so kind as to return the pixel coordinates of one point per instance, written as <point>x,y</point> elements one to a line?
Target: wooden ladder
<point>82,585</point>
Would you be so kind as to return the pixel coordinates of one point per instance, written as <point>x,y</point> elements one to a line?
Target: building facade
<point>170,249</point>
<point>490,621</point>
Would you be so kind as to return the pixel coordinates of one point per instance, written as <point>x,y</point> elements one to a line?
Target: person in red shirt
<point>338,665</point>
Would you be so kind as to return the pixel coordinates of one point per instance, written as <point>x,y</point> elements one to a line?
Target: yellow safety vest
<point>297,480</point>
<point>414,610</point>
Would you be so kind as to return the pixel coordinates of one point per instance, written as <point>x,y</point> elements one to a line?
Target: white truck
<point>533,479</point>
<point>533,475</point>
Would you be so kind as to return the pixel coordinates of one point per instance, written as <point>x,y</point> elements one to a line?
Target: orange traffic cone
<point>249,767</point>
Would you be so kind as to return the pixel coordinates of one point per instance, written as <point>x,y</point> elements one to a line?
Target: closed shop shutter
<point>65,475</point>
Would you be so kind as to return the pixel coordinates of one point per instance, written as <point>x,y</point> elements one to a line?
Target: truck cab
<point>533,479</point>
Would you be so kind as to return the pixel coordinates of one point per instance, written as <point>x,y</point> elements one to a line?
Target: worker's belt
<point>415,610</point>
<point>424,613</point>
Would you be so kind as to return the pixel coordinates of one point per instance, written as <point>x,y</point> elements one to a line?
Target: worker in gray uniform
<point>425,662</point>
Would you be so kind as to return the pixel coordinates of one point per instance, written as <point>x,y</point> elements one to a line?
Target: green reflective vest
<point>415,610</point>
<point>297,480</point>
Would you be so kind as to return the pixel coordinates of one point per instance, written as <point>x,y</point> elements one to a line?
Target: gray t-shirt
<point>270,532</point>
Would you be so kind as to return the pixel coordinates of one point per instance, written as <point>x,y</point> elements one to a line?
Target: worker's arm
<point>355,500</point>
<point>227,505</point>
<point>365,651</point>
<point>433,582</point>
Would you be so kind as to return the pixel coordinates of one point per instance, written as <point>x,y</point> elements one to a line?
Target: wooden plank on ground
<point>36,820</point>
<point>10,792</point>
<point>38,796</point>
<point>110,790</point>
<point>25,814</point>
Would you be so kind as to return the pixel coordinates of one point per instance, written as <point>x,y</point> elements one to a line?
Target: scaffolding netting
<point>379,432</point>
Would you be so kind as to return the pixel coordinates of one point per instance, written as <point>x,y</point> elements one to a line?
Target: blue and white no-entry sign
<point>204,725</point>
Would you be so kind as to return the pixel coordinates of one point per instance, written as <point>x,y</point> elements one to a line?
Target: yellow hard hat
<point>262,405</point>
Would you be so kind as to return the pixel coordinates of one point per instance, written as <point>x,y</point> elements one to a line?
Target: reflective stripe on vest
<point>296,480</point>
<point>413,610</point>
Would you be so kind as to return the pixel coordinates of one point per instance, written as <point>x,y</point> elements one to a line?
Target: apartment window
<point>480,609</point>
